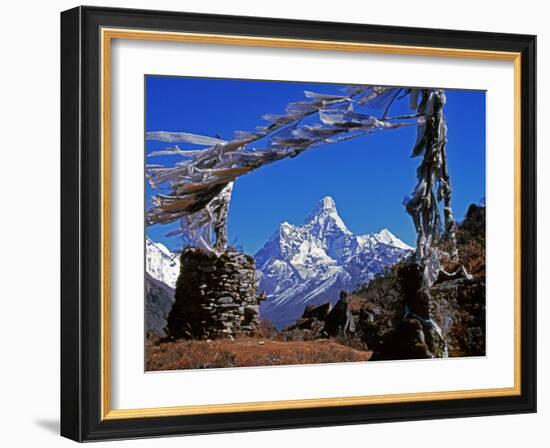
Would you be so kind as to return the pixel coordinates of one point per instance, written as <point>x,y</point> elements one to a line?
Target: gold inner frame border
<point>107,36</point>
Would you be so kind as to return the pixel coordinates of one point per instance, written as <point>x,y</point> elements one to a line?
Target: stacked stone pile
<point>216,296</point>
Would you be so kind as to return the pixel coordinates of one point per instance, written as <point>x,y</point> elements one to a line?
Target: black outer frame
<point>81,207</point>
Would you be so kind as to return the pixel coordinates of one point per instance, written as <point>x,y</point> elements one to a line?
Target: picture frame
<point>87,34</point>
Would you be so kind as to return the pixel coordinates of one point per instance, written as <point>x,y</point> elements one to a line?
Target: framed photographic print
<point>276,224</point>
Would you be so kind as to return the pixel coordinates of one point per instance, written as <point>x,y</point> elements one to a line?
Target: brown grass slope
<point>247,352</point>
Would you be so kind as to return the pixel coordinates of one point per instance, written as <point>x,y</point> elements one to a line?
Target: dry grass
<point>247,352</point>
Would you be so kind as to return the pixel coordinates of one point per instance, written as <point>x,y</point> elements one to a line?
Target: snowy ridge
<point>313,262</point>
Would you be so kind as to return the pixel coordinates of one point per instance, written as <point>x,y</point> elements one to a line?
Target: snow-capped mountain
<point>160,263</point>
<point>311,263</point>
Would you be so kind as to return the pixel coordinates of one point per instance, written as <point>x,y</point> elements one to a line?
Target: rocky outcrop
<point>304,329</point>
<point>317,311</point>
<point>459,307</point>
<point>406,341</point>
<point>322,321</point>
<point>216,296</point>
<point>381,310</point>
<point>402,320</point>
<point>394,331</point>
<point>473,226</point>
<point>340,321</point>
<point>385,317</point>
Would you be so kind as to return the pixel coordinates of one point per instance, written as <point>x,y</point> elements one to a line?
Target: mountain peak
<point>386,237</point>
<point>325,205</point>
<point>385,234</point>
<point>325,218</point>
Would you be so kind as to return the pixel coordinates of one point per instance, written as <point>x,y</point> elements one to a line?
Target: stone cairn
<point>216,296</point>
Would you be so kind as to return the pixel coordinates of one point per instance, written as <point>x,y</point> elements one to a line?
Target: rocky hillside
<point>374,316</point>
<point>159,299</point>
<point>458,305</point>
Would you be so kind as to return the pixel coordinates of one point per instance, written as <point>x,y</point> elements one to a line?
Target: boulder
<point>406,342</point>
<point>317,311</point>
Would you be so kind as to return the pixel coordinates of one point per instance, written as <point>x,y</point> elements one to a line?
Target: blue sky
<point>368,177</point>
